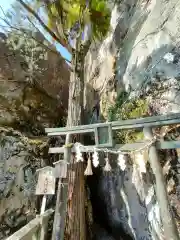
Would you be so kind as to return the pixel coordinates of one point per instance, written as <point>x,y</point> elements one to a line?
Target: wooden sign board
<point>60,170</point>
<point>46,181</point>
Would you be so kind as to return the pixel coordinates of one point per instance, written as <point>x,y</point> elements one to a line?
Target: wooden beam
<point>168,144</point>
<point>170,228</point>
<point>31,228</point>
<point>70,132</point>
<point>27,231</point>
<point>147,124</point>
<point>154,120</point>
<point>57,216</point>
<point>123,147</point>
<point>117,125</point>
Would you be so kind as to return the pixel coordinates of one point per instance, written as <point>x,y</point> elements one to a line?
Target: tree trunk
<point>75,219</point>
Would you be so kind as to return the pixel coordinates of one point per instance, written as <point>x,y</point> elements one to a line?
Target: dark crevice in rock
<point>103,228</point>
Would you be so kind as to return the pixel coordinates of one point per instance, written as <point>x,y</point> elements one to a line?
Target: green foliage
<point>65,17</point>
<point>124,109</point>
<point>100,18</point>
<point>115,111</point>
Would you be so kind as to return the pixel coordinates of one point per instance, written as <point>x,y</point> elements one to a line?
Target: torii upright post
<point>170,228</point>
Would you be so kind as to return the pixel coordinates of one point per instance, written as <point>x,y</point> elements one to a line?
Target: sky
<point>6,4</point>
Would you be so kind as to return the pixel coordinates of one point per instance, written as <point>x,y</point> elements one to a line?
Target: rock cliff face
<point>19,159</point>
<point>140,56</point>
<point>32,104</point>
<point>142,48</point>
<point>26,108</point>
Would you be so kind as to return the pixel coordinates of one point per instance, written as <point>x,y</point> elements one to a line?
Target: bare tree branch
<point>30,10</point>
<point>44,44</point>
<point>3,13</point>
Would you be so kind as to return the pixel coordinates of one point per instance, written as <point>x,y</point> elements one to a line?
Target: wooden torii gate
<point>107,129</point>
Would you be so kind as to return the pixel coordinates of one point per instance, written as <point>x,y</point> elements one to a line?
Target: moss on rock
<point>124,109</point>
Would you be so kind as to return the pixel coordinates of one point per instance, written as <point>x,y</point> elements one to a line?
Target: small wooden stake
<point>170,228</point>
<point>43,205</point>
<point>45,186</point>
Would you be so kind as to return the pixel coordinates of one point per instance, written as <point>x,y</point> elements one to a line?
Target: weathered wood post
<point>60,173</point>
<point>67,158</point>
<point>61,201</point>
<point>56,223</point>
<point>170,228</point>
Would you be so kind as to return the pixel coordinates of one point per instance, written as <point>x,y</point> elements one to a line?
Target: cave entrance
<point>103,226</point>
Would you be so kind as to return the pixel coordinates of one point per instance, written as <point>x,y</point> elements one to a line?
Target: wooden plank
<point>76,129</point>
<point>150,124</point>
<point>120,147</point>
<point>123,124</point>
<point>27,231</point>
<point>149,120</point>
<point>47,213</point>
<point>44,224</point>
<point>45,169</point>
<point>31,228</point>
<point>123,147</point>
<point>57,216</point>
<point>168,144</point>
<point>71,132</point>
<point>60,170</point>
<point>67,158</point>
<point>61,201</point>
<point>170,228</point>
<point>44,228</point>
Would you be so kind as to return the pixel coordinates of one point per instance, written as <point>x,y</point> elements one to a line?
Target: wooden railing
<point>35,229</point>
